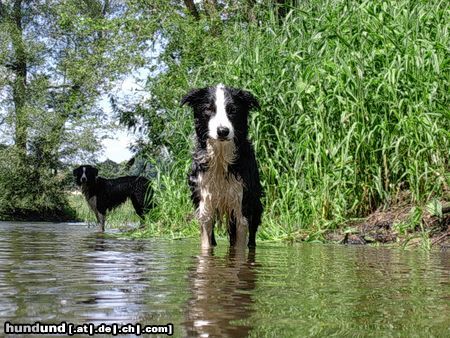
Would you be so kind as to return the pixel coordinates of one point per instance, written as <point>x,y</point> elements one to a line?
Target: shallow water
<point>68,272</point>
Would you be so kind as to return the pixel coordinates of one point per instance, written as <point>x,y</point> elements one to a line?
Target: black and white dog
<point>224,178</point>
<point>104,194</point>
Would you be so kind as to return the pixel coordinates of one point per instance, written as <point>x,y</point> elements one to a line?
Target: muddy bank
<point>404,224</point>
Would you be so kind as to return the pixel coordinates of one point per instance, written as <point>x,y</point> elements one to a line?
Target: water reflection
<point>222,291</point>
<point>64,272</point>
<point>55,272</point>
<point>118,278</point>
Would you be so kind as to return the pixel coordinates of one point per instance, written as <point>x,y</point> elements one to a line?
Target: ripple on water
<point>56,272</point>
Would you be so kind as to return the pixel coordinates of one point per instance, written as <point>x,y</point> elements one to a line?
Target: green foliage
<point>354,99</point>
<point>29,192</point>
<point>434,208</point>
<point>119,217</point>
<point>411,223</point>
<point>173,213</point>
<point>110,169</point>
<point>56,59</point>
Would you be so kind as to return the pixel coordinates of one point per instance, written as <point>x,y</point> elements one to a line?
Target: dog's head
<point>220,112</point>
<point>85,174</point>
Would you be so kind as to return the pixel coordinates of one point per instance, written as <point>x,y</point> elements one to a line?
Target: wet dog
<point>224,178</point>
<point>104,194</point>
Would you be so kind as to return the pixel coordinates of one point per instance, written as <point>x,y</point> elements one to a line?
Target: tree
<point>182,31</point>
<point>57,59</point>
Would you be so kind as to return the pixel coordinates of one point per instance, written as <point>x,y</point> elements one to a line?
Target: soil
<point>396,224</point>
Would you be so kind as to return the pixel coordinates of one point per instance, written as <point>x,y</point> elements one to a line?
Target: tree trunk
<point>190,5</point>
<point>20,80</point>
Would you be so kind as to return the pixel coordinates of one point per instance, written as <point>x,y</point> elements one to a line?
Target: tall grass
<point>121,216</point>
<point>355,109</point>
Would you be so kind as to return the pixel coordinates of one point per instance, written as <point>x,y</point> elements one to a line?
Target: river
<point>68,272</point>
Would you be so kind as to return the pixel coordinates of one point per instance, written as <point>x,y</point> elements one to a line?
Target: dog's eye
<point>209,110</point>
<point>231,112</point>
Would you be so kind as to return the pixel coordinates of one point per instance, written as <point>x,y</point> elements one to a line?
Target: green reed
<point>355,110</point>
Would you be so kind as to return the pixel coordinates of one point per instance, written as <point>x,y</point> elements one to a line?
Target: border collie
<point>104,194</point>
<point>224,178</point>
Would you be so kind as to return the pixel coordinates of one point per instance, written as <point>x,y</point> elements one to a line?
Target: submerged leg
<point>100,220</point>
<point>207,234</point>
<point>139,211</point>
<point>252,233</point>
<point>241,232</point>
<point>213,237</point>
<point>232,229</point>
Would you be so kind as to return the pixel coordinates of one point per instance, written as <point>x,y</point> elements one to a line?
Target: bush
<point>28,192</point>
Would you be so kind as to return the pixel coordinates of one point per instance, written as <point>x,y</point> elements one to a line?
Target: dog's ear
<point>76,171</point>
<point>194,97</point>
<point>248,99</point>
<point>95,170</point>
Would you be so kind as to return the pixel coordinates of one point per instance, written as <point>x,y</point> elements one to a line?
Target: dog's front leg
<point>101,221</point>
<point>241,232</point>
<point>206,219</point>
<point>206,234</point>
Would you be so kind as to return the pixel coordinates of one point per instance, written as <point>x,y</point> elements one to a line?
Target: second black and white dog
<point>104,194</point>
<point>224,178</point>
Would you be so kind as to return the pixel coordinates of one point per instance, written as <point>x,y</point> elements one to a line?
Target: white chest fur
<point>91,200</point>
<point>221,191</point>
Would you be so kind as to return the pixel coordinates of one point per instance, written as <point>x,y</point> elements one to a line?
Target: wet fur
<point>224,178</point>
<point>104,194</point>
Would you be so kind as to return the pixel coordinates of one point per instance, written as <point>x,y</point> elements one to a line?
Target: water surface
<point>68,272</point>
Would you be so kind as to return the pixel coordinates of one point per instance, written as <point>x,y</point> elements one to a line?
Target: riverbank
<point>119,217</point>
<point>65,214</point>
<point>402,224</point>
<point>353,113</point>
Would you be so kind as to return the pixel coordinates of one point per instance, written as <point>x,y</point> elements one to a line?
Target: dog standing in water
<point>104,194</point>
<point>224,178</point>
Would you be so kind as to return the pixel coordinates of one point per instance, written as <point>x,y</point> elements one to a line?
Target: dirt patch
<point>403,223</point>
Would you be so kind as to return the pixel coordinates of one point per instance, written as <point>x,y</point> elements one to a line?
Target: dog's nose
<point>223,132</point>
<point>83,179</point>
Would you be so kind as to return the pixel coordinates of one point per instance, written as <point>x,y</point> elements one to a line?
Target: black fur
<point>103,194</point>
<point>244,166</point>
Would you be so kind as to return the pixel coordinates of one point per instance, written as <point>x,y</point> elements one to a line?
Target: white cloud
<point>116,149</point>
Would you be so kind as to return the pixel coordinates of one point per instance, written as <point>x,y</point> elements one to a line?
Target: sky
<point>116,149</point>
<point>116,146</point>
